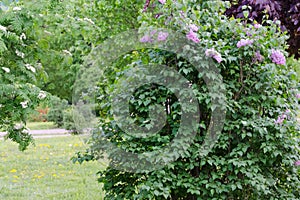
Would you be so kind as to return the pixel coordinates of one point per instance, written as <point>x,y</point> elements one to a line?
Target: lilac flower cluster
<point>194,28</point>
<point>192,36</point>
<point>298,96</point>
<point>161,36</point>
<point>297,163</point>
<point>145,39</point>
<point>244,42</point>
<point>213,54</point>
<point>258,57</point>
<point>282,117</point>
<point>257,25</point>
<point>277,57</point>
<point>162,1</point>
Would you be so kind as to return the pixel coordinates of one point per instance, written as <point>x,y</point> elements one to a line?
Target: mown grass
<point>46,172</point>
<point>40,125</point>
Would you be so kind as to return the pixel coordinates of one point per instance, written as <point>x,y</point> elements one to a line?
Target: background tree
<point>67,31</point>
<point>19,70</point>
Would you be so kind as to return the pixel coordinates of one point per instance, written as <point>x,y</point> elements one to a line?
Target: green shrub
<point>56,111</point>
<point>69,122</point>
<point>256,152</point>
<point>295,65</point>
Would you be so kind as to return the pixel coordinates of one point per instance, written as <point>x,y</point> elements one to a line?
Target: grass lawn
<point>40,125</point>
<point>46,172</point>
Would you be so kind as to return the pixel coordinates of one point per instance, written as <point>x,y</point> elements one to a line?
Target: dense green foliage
<point>255,154</point>
<point>57,107</point>
<point>45,46</point>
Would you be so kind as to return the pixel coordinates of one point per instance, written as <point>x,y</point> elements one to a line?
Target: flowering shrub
<point>256,153</point>
<point>19,69</point>
<point>287,11</point>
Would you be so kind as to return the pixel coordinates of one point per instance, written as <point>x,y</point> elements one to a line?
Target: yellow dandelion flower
<point>13,171</point>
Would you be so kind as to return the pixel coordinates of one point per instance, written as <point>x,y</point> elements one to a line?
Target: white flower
<point>39,65</point>
<point>7,70</point>
<point>29,67</point>
<point>67,52</point>
<point>23,36</point>
<point>18,126</point>
<point>17,9</point>
<point>20,54</point>
<point>25,131</point>
<point>42,95</point>
<point>3,28</point>
<point>89,20</point>
<point>24,104</point>
<point>1,105</point>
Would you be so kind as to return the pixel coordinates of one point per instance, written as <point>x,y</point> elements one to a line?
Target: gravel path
<point>45,133</point>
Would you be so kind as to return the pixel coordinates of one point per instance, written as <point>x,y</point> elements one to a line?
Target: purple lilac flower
<point>282,117</point>
<point>244,42</point>
<point>193,36</point>
<point>287,111</point>
<point>162,1</point>
<point>162,36</point>
<point>194,28</point>
<point>257,25</point>
<point>213,54</point>
<point>153,32</point>
<point>182,15</point>
<point>218,58</point>
<point>297,163</point>
<point>258,57</point>
<point>298,96</point>
<point>145,39</point>
<point>277,57</point>
<point>248,34</point>
<point>157,15</point>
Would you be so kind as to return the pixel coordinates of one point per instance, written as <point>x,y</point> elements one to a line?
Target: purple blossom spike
<point>244,42</point>
<point>194,28</point>
<point>280,119</point>
<point>277,57</point>
<point>213,54</point>
<point>257,25</point>
<point>145,39</point>
<point>258,57</point>
<point>297,163</point>
<point>193,36</point>
<point>162,1</point>
<point>182,14</point>
<point>162,36</point>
